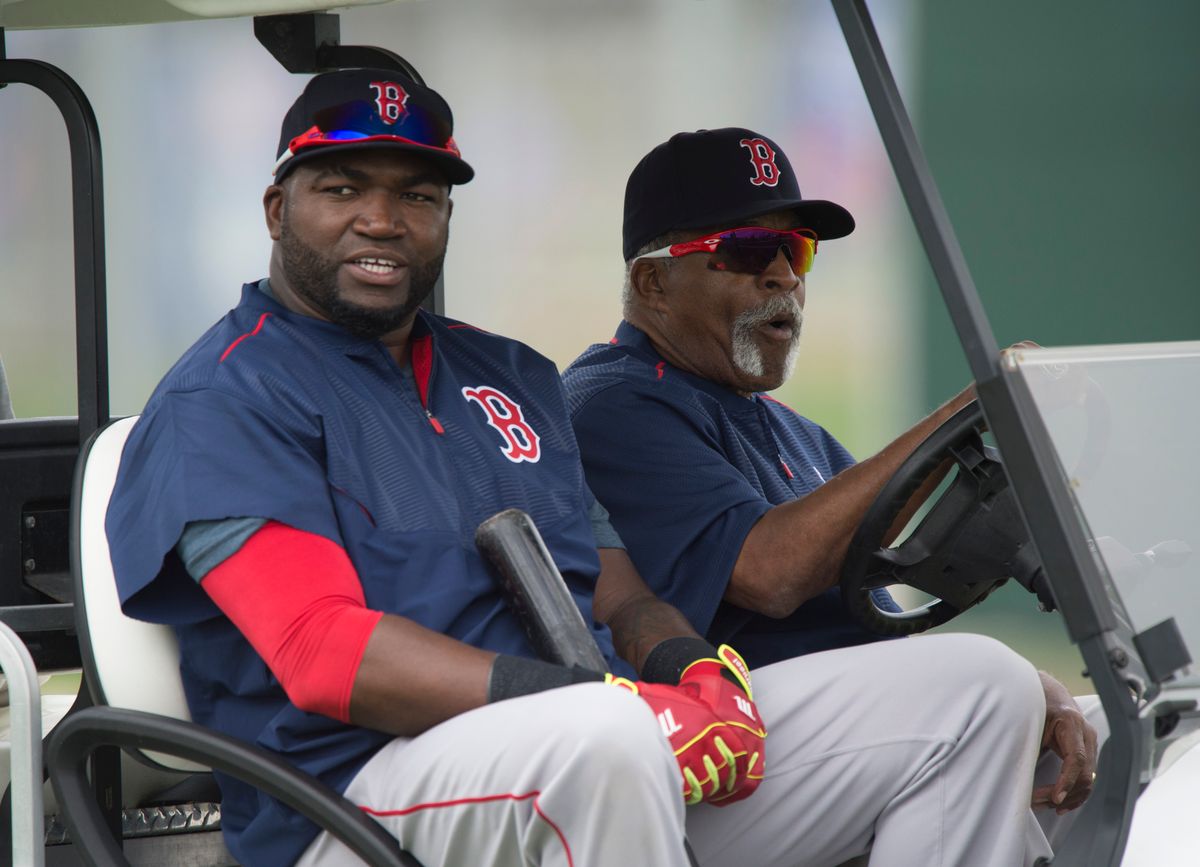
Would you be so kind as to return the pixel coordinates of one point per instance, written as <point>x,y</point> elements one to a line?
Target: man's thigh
<point>551,778</point>
<point>848,731</point>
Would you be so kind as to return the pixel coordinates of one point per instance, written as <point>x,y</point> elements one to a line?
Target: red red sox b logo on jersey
<point>390,99</point>
<point>762,157</point>
<point>505,416</point>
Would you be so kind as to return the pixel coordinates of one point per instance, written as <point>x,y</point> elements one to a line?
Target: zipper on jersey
<point>786,468</point>
<point>421,355</point>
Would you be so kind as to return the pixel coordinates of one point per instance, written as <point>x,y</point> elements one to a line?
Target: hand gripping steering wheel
<point>969,543</point>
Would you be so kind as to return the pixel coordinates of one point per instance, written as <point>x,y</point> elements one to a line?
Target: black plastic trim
<point>87,199</point>
<point>1163,650</point>
<point>311,42</point>
<point>920,192</point>
<point>80,734</point>
<point>51,617</point>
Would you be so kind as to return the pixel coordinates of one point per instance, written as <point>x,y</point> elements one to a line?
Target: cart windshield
<point>1122,421</point>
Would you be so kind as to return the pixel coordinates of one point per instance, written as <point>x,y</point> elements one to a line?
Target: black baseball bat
<point>536,592</point>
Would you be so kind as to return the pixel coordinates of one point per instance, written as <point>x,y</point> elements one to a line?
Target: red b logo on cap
<point>762,156</point>
<point>389,99</point>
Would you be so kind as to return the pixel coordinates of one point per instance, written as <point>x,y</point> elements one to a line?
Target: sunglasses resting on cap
<point>748,249</point>
<point>349,110</point>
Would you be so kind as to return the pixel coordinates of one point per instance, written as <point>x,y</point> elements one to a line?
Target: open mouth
<point>781,327</point>
<point>373,265</point>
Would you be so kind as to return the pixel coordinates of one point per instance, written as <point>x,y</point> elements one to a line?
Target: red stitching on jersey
<point>481,800</point>
<point>354,500</point>
<point>778,401</point>
<point>659,367</point>
<point>466,325</point>
<point>257,328</point>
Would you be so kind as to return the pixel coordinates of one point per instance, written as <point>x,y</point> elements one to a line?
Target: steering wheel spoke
<point>967,544</point>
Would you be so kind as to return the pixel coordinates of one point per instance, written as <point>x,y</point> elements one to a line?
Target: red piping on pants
<point>481,800</point>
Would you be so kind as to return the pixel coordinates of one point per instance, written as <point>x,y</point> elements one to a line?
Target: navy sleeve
<point>203,456</point>
<point>681,507</point>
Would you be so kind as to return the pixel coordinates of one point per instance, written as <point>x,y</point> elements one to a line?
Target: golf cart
<point>1103,569</point>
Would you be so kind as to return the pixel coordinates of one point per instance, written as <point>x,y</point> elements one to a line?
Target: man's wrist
<point>513,676</point>
<point>667,661</point>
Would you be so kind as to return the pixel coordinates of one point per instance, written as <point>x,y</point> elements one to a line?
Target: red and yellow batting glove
<point>712,725</point>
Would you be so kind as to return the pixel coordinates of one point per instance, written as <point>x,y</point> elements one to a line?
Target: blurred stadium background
<point>1063,136</point>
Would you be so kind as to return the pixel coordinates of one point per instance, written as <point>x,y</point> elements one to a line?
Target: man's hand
<point>713,727</point>
<point>1073,739</point>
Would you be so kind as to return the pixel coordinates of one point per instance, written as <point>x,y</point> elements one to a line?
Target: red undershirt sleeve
<point>297,599</point>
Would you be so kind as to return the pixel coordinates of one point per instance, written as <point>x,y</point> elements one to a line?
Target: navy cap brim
<point>456,169</point>
<point>828,219</point>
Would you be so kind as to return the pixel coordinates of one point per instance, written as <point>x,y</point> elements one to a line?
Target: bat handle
<point>536,591</point>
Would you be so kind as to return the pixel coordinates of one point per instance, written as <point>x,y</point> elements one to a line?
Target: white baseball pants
<point>921,751</point>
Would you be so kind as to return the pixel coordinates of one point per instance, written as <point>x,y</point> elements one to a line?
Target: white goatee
<point>747,357</point>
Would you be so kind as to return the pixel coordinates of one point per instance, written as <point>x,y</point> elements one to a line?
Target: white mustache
<point>775,307</point>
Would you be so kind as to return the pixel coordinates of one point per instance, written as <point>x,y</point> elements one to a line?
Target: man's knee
<point>615,735</point>
<point>1006,683</point>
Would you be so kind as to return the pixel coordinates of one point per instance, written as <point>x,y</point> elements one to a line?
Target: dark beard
<point>313,277</point>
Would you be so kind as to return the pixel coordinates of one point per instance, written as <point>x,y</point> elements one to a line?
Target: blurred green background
<point>1064,138</point>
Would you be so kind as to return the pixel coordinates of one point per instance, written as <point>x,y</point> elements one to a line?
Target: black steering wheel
<point>970,542</point>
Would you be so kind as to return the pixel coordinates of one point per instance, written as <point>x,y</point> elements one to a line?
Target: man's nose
<point>779,276</point>
<point>380,216</point>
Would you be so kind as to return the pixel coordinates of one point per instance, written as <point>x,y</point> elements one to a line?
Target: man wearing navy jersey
<point>734,508</point>
<point>299,500</point>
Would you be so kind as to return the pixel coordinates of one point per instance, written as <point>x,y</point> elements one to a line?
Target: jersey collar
<point>639,345</point>
<point>259,298</point>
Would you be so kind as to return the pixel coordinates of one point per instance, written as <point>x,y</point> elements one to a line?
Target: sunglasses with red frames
<point>748,249</point>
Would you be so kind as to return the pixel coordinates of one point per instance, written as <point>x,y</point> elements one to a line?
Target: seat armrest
<point>74,740</point>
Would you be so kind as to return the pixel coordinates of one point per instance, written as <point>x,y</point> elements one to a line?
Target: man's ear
<point>273,209</point>
<point>648,279</point>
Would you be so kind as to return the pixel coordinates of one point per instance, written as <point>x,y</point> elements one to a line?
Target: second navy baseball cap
<point>350,109</point>
<point>718,177</point>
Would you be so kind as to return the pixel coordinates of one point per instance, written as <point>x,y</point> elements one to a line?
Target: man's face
<point>740,330</point>
<point>360,238</point>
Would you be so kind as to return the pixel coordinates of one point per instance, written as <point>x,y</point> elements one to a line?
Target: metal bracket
<point>311,42</point>
<point>1162,649</point>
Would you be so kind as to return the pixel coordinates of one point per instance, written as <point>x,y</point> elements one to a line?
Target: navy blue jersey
<point>276,415</point>
<point>686,467</point>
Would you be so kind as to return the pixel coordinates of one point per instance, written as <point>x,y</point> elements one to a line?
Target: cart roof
<point>34,14</point>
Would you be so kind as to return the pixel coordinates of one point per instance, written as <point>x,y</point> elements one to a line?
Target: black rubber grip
<point>536,591</point>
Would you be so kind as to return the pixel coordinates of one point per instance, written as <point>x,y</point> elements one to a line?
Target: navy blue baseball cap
<point>718,177</point>
<point>351,109</point>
